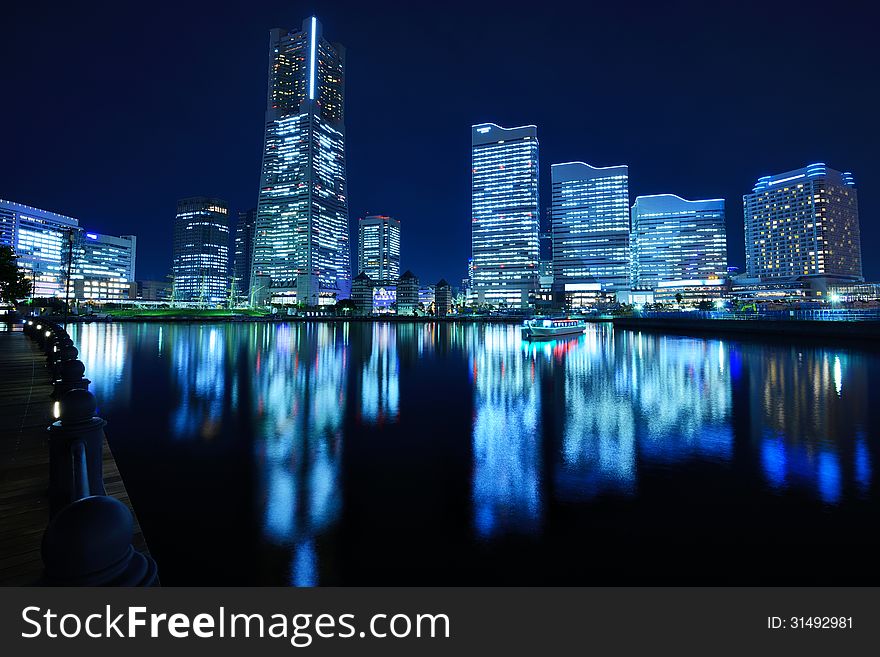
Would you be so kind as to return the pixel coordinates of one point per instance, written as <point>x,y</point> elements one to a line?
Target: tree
<point>14,285</point>
<point>345,306</point>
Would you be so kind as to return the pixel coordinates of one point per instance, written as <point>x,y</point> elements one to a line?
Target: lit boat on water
<point>547,329</point>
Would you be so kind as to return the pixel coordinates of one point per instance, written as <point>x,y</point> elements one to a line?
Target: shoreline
<point>865,330</point>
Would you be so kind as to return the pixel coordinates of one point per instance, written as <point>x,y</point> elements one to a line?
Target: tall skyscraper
<point>243,251</point>
<point>590,226</point>
<point>379,247</point>
<point>42,241</point>
<point>504,209</point>
<point>803,223</point>
<point>302,237</point>
<point>676,240</point>
<point>200,259</point>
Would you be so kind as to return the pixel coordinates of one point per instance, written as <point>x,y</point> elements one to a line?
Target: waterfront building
<point>243,252</point>
<point>407,294</point>
<point>301,238</point>
<point>200,258</point>
<point>362,294</point>
<point>504,204</point>
<point>378,251</point>
<point>803,222</point>
<point>442,298</point>
<point>863,292</point>
<point>103,267</point>
<point>426,296</point>
<point>590,225</point>
<point>154,290</point>
<point>674,239</point>
<point>637,296</point>
<point>692,292</point>
<point>42,240</point>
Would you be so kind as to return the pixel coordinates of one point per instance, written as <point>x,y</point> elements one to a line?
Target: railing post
<point>88,543</point>
<point>77,424</point>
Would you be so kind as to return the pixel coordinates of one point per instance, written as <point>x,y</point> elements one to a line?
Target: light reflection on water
<point>579,421</point>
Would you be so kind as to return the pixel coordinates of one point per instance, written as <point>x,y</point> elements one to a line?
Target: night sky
<point>111,112</point>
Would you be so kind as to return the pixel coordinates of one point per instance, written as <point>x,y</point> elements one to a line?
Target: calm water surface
<point>382,454</point>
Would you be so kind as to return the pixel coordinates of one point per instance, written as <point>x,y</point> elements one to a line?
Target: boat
<point>547,329</point>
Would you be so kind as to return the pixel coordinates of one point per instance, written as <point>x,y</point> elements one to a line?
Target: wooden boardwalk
<point>25,414</point>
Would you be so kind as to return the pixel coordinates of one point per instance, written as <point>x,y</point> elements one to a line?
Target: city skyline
<point>654,151</point>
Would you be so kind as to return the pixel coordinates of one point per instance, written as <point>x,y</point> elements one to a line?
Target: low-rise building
<point>407,294</point>
<point>442,298</point>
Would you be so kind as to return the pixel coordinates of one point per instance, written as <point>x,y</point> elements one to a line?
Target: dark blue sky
<point>110,112</point>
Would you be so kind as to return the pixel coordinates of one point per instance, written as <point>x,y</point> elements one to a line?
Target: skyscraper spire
<point>301,238</point>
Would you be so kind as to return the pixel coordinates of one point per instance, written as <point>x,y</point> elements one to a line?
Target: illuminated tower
<point>200,258</point>
<point>803,223</point>
<point>590,226</point>
<point>379,247</point>
<point>301,237</point>
<point>677,240</point>
<point>504,212</point>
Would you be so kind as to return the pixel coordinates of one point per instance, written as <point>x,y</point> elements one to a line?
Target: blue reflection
<point>380,385</point>
<point>829,477</point>
<point>506,435</point>
<point>774,461</point>
<point>862,465</point>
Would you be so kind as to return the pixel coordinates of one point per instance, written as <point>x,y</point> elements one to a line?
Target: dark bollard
<point>65,354</point>
<point>54,356</point>
<point>28,328</point>
<point>78,424</point>
<point>39,333</point>
<point>88,543</point>
<point>70,377</point>
<point>50,342</point>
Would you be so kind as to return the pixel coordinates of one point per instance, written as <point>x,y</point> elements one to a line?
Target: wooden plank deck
<point>25,414</point>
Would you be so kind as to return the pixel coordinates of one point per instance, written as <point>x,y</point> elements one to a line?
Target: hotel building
<point>674,239</point>
<point>378,252</point>
<point>504,214</point>
<point>590,228</point>
<point>200,259</point>
<point>803,223</point>
<point>301,240</point>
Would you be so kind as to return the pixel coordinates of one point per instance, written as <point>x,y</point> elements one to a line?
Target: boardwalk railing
<point>89,538</point>
<point>832,315</point>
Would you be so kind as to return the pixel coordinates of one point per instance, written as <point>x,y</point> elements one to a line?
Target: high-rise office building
<point>243,251</point>
<point>42,240</point>
<point>677,240</point>
<point>803,223</point>
<point>103,266</point>
<point>590,226</point>
<point>200,262</point>
<point>302,237</point>
<point>378,252</point>
<point>504,209</point>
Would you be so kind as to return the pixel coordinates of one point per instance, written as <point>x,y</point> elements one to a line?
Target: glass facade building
<point>200,262</point>
<point>40,239</point>
<point>379,247</point>
<point>301,238</point>
<point>103,266</point>
<point>504,209</point>
<point>243,251</point>
<point>803,222</point>
<point>674,239</point>
<point>590,226</point>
